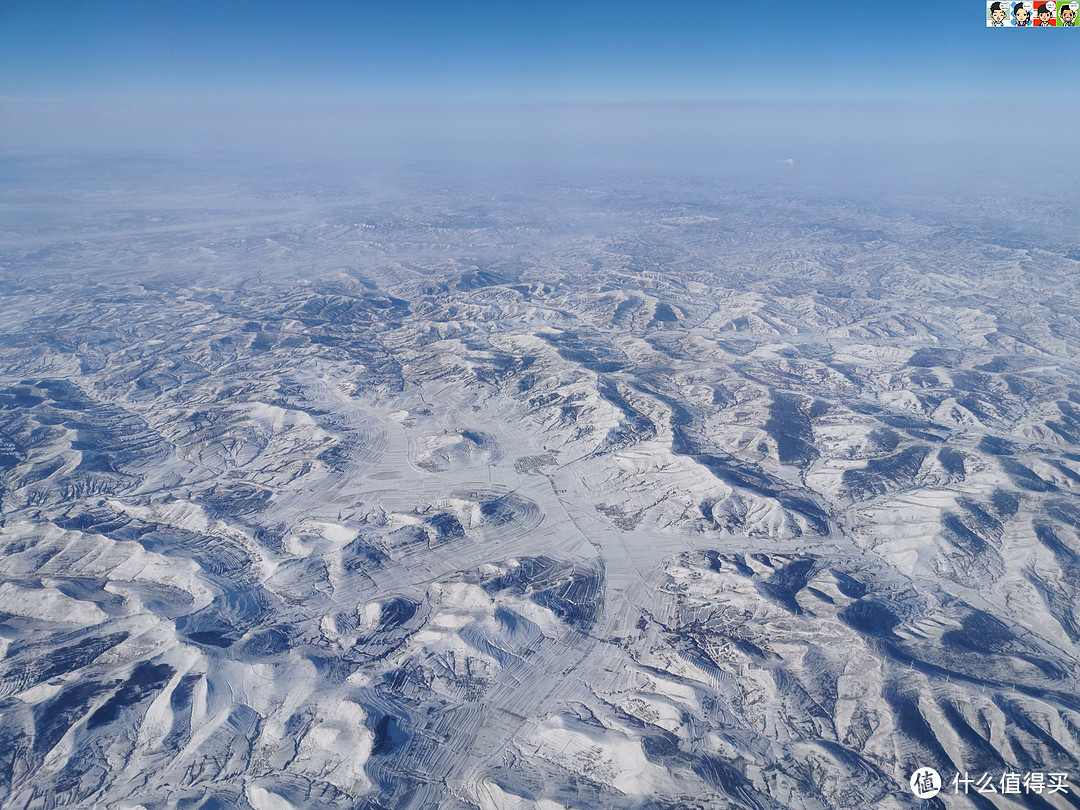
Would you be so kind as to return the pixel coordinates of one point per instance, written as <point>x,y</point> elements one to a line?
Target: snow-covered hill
<point>677,497</point>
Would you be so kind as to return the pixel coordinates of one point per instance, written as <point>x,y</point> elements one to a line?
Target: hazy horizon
<point>681,81</point>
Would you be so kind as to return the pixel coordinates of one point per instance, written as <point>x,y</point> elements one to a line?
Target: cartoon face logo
<point>997,13</point>
<point>1068,14</point>
<point>1044,14</point>
<point>1022,14</point>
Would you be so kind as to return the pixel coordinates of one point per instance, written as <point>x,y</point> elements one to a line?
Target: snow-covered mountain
<point>649,495</point>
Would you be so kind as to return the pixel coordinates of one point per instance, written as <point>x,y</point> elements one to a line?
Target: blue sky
<point>588,50</point>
